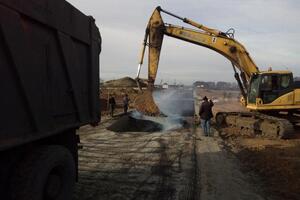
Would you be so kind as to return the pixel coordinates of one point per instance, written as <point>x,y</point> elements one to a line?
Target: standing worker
<point>206,114</point>
<point>112,104</point>
<point>125,103</point>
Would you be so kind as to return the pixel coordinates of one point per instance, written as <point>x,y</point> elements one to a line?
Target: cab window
<point>254,89</point>
<point>269,83</point>
<point>285,81</point>
<point>269,88</point>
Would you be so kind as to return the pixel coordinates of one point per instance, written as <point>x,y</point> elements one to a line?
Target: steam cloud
<point>175,104</point>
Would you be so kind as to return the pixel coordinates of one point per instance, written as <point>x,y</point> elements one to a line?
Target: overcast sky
<point>269,29</point>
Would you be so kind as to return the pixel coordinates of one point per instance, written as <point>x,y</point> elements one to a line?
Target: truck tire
<point>47,173</point>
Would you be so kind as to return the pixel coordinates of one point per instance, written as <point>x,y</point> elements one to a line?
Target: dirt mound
<point>145,104</point>
<point>275,161</point>
<point>278,165</point>
<point>123,82</point>
<point>130,124</point>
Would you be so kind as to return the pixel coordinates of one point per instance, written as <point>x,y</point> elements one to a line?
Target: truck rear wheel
<point>47,173</point>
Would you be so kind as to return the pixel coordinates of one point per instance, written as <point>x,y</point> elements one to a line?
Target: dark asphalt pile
<point>130,124</point>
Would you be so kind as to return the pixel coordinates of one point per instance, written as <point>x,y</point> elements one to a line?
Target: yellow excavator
<point>272,97</point>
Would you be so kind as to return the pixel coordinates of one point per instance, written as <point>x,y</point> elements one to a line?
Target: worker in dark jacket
<point>126,103</point>
<point>112,105</point>
<point>206,114</point>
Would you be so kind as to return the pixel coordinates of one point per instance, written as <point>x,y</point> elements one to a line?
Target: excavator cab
<point>267,87</point>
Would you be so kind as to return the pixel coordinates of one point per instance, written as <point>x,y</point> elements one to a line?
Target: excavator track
<point>253,124</point>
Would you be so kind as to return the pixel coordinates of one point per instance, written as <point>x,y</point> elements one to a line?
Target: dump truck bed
<point>49,74</point>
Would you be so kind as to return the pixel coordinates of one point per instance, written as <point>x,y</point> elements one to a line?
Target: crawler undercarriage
<point>254,124</point>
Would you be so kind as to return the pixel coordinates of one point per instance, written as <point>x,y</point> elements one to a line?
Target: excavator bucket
<point>145,104</point>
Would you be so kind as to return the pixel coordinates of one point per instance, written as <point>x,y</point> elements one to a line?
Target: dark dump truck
<point>49,84</point>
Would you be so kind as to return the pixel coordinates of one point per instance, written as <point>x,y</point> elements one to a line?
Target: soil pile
<point>275,161</point>
<point>278,164</point>
<point>130,124</point>
<point>123,82</point>
<point>145,104</point>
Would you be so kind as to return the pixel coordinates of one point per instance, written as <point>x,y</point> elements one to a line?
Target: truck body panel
<point>49,70</point>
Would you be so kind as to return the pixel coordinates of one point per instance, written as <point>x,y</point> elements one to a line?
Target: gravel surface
<point>135,165</point>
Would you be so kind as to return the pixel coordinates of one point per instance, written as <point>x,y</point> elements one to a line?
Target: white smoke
<point>168,123</point>
<point>174,104</point>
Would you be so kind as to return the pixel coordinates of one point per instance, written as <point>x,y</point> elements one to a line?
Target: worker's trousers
<point>205,123</point>
<point>111,109</point>
<point>125,108</point>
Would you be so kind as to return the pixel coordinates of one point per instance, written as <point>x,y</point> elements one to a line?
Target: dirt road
<point>179,164</point>
<point>135,165</point>
<point>219,171</point>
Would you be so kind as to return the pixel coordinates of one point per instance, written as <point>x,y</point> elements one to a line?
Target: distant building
<point>165,86</point>
<point>221,85</point>
<point>206,85</point>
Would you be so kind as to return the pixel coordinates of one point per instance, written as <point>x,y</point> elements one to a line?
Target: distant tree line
<point>220,85</point>
<point>297,78</point>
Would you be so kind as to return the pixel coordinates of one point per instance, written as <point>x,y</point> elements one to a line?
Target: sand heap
<point>145,104</point>
<point>123,82</point>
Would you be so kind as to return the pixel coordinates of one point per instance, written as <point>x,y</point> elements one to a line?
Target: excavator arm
<point>213,39</point>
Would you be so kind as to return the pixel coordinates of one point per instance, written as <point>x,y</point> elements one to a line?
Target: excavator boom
<point>202,36</point>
